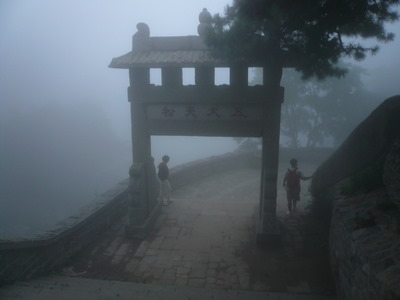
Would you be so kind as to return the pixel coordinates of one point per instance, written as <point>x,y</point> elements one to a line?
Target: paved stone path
<point>202,244</point>
<point>198,238</point>
<point>67,288</point>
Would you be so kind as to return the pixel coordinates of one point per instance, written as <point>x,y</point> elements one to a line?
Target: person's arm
<point>301,175</point>
<point>285,179</point>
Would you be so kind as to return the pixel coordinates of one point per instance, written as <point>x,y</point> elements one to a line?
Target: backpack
<point>163,171</point>
<point>292,179</point>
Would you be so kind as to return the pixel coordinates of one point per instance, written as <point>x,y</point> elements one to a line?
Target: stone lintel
<point>193,94</point>
<point>207,128</point>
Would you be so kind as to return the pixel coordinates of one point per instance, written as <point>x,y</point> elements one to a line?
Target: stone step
<point>72,288</point>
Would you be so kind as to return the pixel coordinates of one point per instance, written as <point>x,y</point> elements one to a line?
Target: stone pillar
<point>268,226</point>
<point>142,175</point>
<point>204,76</point>
<point>139,85</point>
<point>171,77</point>
<point>239,77</point>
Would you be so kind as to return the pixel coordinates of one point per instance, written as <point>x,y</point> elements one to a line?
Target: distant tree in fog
<point>296,116</point>
<point>316,110</point>
<point>248,145</point>
<point>331,108</point>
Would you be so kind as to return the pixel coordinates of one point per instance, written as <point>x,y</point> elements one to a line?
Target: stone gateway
<point>202,109</point>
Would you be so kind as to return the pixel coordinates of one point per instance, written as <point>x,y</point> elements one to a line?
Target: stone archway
<point>203,109</point>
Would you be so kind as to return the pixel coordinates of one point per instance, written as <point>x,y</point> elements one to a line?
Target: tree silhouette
<point>312,35</point>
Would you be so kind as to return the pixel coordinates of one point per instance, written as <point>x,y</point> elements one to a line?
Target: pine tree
<point>311,35</point>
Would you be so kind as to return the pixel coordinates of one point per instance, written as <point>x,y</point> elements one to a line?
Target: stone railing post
<point>137,194</point>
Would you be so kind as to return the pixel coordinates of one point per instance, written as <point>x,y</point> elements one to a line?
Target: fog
<point>64,115</point>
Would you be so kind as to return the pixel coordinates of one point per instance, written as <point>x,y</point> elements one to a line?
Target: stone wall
<point>365,247</point>
<point>25,258</point>
<point>391,176</point>
<point>358,187</point>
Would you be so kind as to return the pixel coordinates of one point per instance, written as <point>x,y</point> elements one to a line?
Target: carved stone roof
<point>182,51</point>
<point>173,51</point>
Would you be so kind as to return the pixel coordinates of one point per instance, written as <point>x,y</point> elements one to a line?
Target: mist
<point>64,116</point>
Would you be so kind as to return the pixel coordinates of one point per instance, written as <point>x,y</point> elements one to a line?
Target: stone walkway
<point>67,288</point>
<point>205,240</point>
<point>199,237</point>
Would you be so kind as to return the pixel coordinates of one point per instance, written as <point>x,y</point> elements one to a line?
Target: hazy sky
<point>60,51</point>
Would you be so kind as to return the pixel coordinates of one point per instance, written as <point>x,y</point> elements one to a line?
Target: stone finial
<point>140,40</point>
<point>205,16</point>
<point>135,170</point>
<point>205,22</point>
<point>143,30</point>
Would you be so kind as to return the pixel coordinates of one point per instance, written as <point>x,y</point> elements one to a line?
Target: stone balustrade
<point>25,258</point>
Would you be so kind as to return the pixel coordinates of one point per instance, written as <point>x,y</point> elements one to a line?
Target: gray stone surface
<point>364,248</point>
<point>202,230</point>
<point>391,175</point>
<point>67,288</point>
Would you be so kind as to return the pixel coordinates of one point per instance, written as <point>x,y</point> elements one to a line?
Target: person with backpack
<point>163,176</point>
<point>292,183</point>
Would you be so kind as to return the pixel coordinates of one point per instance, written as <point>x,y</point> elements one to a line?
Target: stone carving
<point>205,23</point>
<point>135,170</point>
<point>141,39</point>
<point>135,184</point>
<point>143,30</point>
